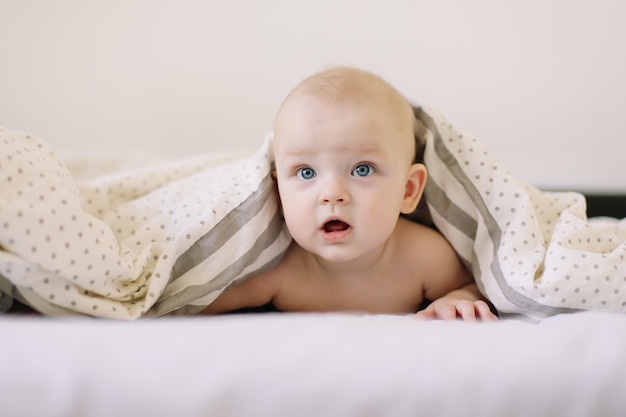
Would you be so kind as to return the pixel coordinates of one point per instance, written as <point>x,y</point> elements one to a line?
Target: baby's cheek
<point>295,219</point>
<point>382,217</point>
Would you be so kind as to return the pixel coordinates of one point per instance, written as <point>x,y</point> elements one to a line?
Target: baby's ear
<point>280,203</point>
<point>414,188</point>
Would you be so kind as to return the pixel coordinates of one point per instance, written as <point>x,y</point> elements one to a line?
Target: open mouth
<point>332,226</point>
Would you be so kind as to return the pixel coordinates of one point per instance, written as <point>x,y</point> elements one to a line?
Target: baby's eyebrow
<point>294,149</point>
<point>297,151</point>
<point>361,151</point>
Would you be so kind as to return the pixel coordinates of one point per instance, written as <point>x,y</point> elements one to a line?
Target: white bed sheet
<point>327,365</point>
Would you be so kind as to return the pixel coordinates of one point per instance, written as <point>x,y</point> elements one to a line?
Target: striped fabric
<point>165,239</point>
<point>532,252</point>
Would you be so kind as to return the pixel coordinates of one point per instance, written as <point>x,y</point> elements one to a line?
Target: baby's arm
<point>254,292</point>
<point>451,286</point>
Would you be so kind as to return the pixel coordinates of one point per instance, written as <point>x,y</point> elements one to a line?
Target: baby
<point>344,147</point>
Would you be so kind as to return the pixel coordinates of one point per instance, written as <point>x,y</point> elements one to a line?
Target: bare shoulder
<point>424,246</point>
<point>413,233</point>
<point>430,252</point>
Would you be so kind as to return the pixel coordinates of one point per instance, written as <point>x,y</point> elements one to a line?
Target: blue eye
<point>306,173</point>
<point>363,170</point>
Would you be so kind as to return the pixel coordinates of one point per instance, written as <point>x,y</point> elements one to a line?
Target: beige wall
<point>541,82</point>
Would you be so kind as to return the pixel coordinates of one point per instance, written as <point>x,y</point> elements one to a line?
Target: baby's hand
<point>451,307</point>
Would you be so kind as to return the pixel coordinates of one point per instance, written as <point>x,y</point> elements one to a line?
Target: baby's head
<point>343,150</point>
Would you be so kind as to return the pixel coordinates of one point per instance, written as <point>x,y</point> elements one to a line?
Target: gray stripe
<point>437,198</point>
<point>193,292</point>
<point>223,231</point>
<point>494,230</point>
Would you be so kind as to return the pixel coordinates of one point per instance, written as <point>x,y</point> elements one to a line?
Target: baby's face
<point>342,170</point>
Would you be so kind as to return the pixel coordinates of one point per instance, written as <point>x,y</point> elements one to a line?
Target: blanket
<point>168,238</point>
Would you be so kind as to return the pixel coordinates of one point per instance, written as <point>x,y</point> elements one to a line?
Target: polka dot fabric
<point>113,245</point>
<point>532,252</point>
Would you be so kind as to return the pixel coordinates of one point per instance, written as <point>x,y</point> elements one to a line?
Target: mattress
<point>284,364</point>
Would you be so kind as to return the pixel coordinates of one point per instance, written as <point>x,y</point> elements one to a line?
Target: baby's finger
<point>447,312</point>
<point>484,312</point>
<point>466,310</point>
<point>428,313</point>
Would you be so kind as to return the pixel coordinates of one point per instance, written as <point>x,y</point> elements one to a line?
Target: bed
<point>313,365</point>
<point>101,302</point>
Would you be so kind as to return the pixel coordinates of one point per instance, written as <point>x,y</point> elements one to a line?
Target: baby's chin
<point>344,254</point>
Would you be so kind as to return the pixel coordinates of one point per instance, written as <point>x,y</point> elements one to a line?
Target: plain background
<point>542,83</point>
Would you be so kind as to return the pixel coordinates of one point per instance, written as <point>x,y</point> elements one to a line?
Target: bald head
<point>346,85</point>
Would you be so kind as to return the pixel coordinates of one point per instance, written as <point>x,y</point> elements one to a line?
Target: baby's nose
<point>334,193</point>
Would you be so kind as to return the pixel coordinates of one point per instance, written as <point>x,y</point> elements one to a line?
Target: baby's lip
<point>334,229</point>
<point>334,225</point>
